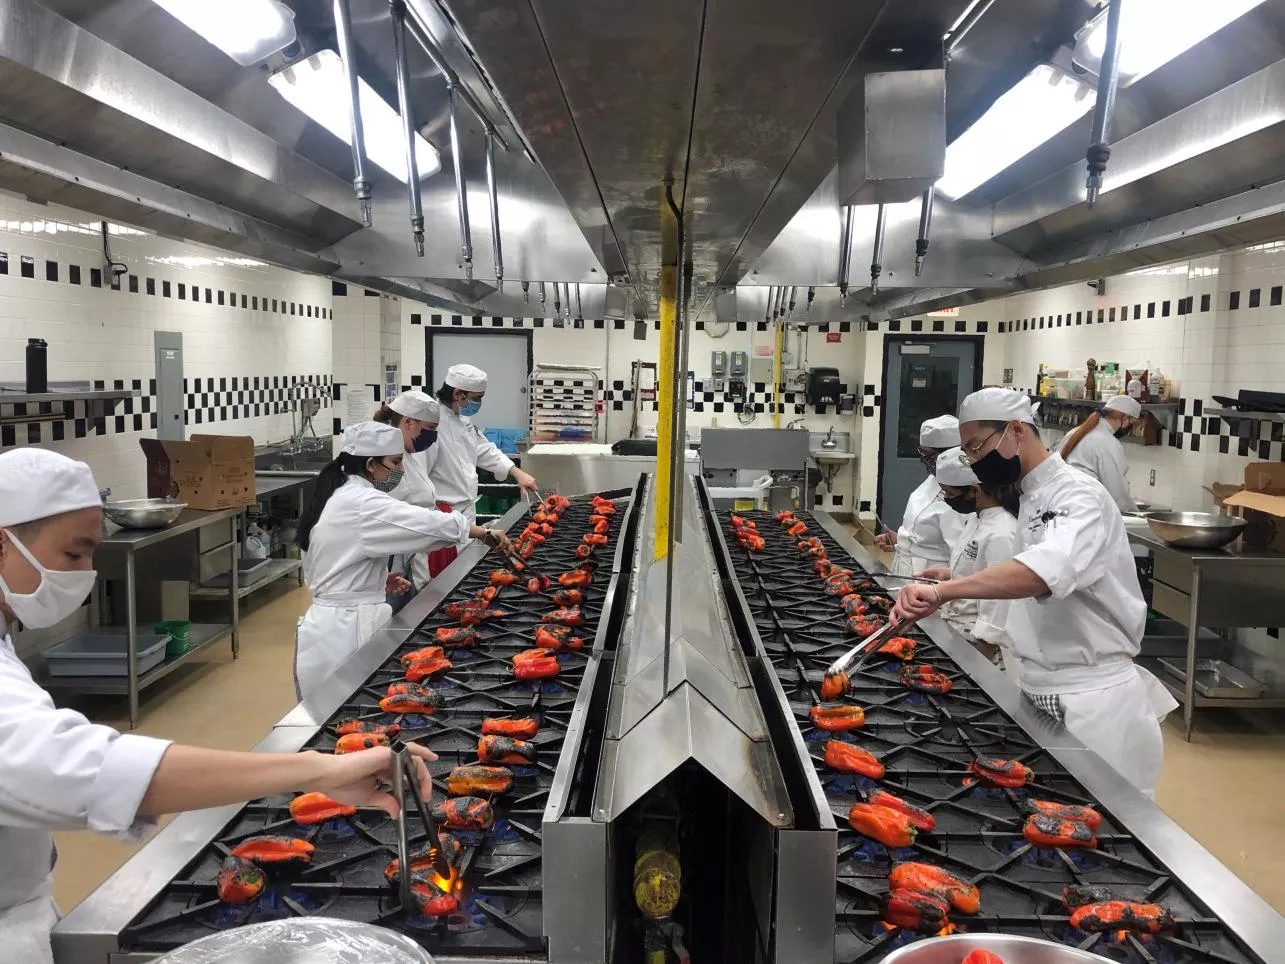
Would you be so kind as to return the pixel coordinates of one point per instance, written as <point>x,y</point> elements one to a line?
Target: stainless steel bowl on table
<point>1009,948</point>
<point>1195,530</point>
<point>144,513</point>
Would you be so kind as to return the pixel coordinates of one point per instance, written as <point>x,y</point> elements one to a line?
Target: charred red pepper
<point>924,679</point>
<point>502,577</point>
<point>430,900</point>
<point>847,758</point>
<point>456,610</point>
<point>865,626</point>
<point>577,577</point>
<point>595,519</point>
<point>1077,895</point>
<point>1002,773</point>
<point>840,588</point>
<point>785,517</point>
<point>737,522</point>
<point>505,750</point>
<point>798,529</point>
<point>240,880</point>
<point>310,808</point>
<point>528,655</point>
<point>568,597</point>
<point>980,956</point>
<point>456,637</point>
<point>423,860</point>
<point>411,698</point>
<point>823,567</point>
<point>522,729</point>
<point>545,668</point>
<point>1064,811</point>
<point>925,913</point>
<point>584,552</point>
<point>1052,833</point>
<point>464,813</point>
<point>346,727</point>
<point>471,780</point>
<point>487,595</point>
<point>837,719</point>
<point>927,879</point>
<point>834,685</point>
<point>423,669</point>
<point>564,617</point>
<point>275,850</point>
<point>594,539</point>
<point>919,818</point>
<point>356,742</point>
<point>888,827</point>
<point>557,638</point>
<point>1122,915</point>
<point>476,617</point>
<point>537,584</point>
<point>428,652</point>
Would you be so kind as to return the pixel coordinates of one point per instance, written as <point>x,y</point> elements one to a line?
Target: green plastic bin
<point>180,634</point>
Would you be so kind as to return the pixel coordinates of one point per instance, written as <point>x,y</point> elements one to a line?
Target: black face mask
<point>963,504</point>
<point>929,463</point>
<point>996,469</point>
<point>1121,433</point>
<point>424,440</point>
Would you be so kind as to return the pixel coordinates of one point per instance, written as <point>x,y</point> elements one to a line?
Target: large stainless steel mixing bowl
<point>1195,530</point>
<point>143,513</point>
<point>1012,950</point>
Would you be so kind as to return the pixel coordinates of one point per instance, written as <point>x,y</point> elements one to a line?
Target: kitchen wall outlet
<point>1153,478</point>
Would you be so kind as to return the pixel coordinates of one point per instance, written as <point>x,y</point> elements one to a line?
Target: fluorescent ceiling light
<point>317,87</point>
<point>1040,105</point>
<point>1154,32</point>
<point>245,30</point>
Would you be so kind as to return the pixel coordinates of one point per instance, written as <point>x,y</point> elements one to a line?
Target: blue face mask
<point>471,407</point>
<point>424,440</point>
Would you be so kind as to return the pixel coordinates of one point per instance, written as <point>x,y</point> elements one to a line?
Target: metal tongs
<point>404,775</point>
<point>919,579</point>
<point>855,658</point>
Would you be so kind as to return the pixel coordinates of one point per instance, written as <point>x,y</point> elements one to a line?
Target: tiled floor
<point>1225,787</point>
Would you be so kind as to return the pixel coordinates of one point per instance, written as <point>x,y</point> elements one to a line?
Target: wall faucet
<point>829,442</point>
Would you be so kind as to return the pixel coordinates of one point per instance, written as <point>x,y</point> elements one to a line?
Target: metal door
<point>922,378</point>
<point>506,359</point>
<point>169,385</point>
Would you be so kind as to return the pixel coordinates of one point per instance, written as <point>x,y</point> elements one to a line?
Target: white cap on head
<point>996,405</point>
<point>466,377</point>
<point>417,404</point>
<point>1124,405</point>
<point>37,484</point>
<point>941,432</point>
<point>953,469</point>
<point>372,440</point>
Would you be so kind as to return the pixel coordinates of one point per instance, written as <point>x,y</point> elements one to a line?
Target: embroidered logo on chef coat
<point>971,549</point>
<point>1046,518</point>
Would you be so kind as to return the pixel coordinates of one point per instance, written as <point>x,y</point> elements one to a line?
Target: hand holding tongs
<point>855,658</point>
<point>403,775</point>
<point>920,579</point>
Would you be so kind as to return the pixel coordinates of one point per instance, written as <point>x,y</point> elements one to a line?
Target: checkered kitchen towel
<point>1050,706</point>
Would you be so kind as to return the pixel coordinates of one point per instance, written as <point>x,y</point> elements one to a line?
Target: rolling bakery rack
<point>566,403</point>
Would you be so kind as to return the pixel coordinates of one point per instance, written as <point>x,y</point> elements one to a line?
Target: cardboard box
<point>1261,502</point>
<point>206,472</point>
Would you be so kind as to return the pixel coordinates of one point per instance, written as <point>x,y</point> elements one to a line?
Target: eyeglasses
<point>971,453</point>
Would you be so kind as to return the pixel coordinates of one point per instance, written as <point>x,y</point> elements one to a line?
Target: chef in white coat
<point>58,771</point>
<point>461,449</point>
<point>1077,614</point>
<point>347,534</point>
<point>415,414</point>
<point>1094,447</point>
<point>989,535</point>
<point>930,529</point>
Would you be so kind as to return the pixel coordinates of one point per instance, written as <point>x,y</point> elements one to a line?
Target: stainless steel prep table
<point>121,548</point>
<point>1216,589</point>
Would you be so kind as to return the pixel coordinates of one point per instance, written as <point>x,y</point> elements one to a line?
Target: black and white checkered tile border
<point>916,325</point>
<point>1247,438</point>
<point>208,401</point>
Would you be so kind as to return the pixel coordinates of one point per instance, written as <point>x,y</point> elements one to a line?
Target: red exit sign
<point>832,337</point>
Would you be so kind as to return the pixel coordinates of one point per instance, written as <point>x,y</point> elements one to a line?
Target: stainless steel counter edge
<point>1140,534</point>
<point>1255,922</point>
<point>130,540</point>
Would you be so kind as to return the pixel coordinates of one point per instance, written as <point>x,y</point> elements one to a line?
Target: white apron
<point>25,928</point>
<point>331,631</point>
<point>929,531</point>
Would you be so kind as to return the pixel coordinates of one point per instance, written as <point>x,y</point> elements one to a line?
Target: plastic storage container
<point>104,653</point>
<point>180,633</point>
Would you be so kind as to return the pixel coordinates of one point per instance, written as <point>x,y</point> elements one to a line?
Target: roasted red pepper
<point>838,575</point>
<point>528,655</point>
<point>472,780</point>
<point>564,617</point>
<point>422,861</point>
<point>900,647</point>
<point>546,529</point>
<point>855,604</point>
<point>240,881</point>
<point>346,727</point>
<point>824,567</point>
<point>456,637</point>
<point>427,652</point>
<point>504,749</point>
<point>526,550</point>
<point>502,577</point>
<point>487,594</point>
<point>545,668</point>
<point>540,516</point>
<point>1122,915</point>
<point>834,685</point>
<point>1002,773</point>
<point>914,911</point>
<point>356,742</point>
<point>595,519</point>
<point>411,698</point>
<point>430,900</point>
<point>888,827</point>
<point>577,577</point>
<point>785,517</point>
<point>737,522</point>
<point>522,729</point>
<point>457,609</point>
<point>1050,833</point>
<point>423,669</point>
<point>310,808</point>
<point>557,638</point>
<point>568,597</point>
<point>594,539</point>
<point>476,617</point>
<point>837,719</point>
<point>798,529</point>
<point>602,507</point>
<point>537,584</point>
<point>927,879</point>
<point>1077,895</point>
<point>464,813</point>
<point>980,956</point>
<point>865,626</point>
<point>751,542</point>
<point>919,818</point>
<point>275,850</point>
<point>1064,811</point>
<point>584,552</point>
<point>925,679</point>
<point>847,758</point>
<point>600,528</point>
<point>840,588</point>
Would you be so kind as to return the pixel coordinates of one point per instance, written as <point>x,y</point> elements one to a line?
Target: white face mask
<point>58,596</point>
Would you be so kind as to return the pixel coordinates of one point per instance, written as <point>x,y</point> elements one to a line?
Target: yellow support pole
<point>665,404</point>
<point>776,376</point>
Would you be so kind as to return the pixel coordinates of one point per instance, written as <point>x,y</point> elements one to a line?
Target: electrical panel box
<point>761,370</point>
<point>740,365</point>
<point>718,370</point>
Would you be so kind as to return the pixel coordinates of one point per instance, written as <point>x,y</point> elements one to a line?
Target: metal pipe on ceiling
<point>557,300</point>
<point>794,292</point>
<point>925,226</point>
<point>461,187</point>
<point>543,296</point>
<point>497,250</point>
<point>812,294</point>
<point>526,292</point>
<point>767,312</point>
<point>845,252</point>
<point>347,54</point>
<point>408,125</point>
<point>1099,151</point>
<point>966,23</point>
<point>579,303</point>
<point>876,259</point>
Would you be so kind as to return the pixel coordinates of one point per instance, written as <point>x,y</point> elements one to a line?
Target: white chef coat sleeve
<point>62,772</point>
<point>1113,471</point>
<point>993,547</point>
<point>1070,554</point>
<point>390,527</point>
<point>490,457</point>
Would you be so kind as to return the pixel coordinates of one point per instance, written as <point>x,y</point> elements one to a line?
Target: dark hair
<point>1006,495</point>
<point>1077,436</point>
<point>387,416</point>
<point>446,395</point>
<point>328,481</point>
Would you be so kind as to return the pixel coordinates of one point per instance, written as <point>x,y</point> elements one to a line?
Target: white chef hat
<point>953,469</point>
<point>941,432</point>
<point>372,440</point>
<point>997,405</point>
<point>466,377</point>
<point>417,404</point>
<point>1125,405</point>
<point>37,484</point>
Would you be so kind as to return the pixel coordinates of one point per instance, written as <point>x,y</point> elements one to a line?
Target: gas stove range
<point>501,912</point>
<point>926,742</point>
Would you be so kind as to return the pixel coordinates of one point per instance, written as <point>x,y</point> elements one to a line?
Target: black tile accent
<point>939,325</point>
<point>916,324</point>
<point>1164,309</point>
<point>4,263</point>
<point>618,324</point>
<point>601,323</point>
<point>1204,302</point>
<point>1234,301</point>
<point>133,284</point>
<point>95,277</point>
<point>1276,295</point>
<point>894,324</point>
<point>27,267</point>
<point>863,506</point>
<point>1137,312</point>
<point>1101,316</point>
<point>51,270</point>
<point>338,289</point>
<point>417,319</point>
<point>73,273</point>
<point>1079,317</point>
<point>1255,299</point>
<point>150,287</point>
<point>1111,315</point>
<point>1151,309</point>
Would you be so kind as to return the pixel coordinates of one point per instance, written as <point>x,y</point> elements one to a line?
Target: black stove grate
<point>502,913</point>
<point>926,742</point>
